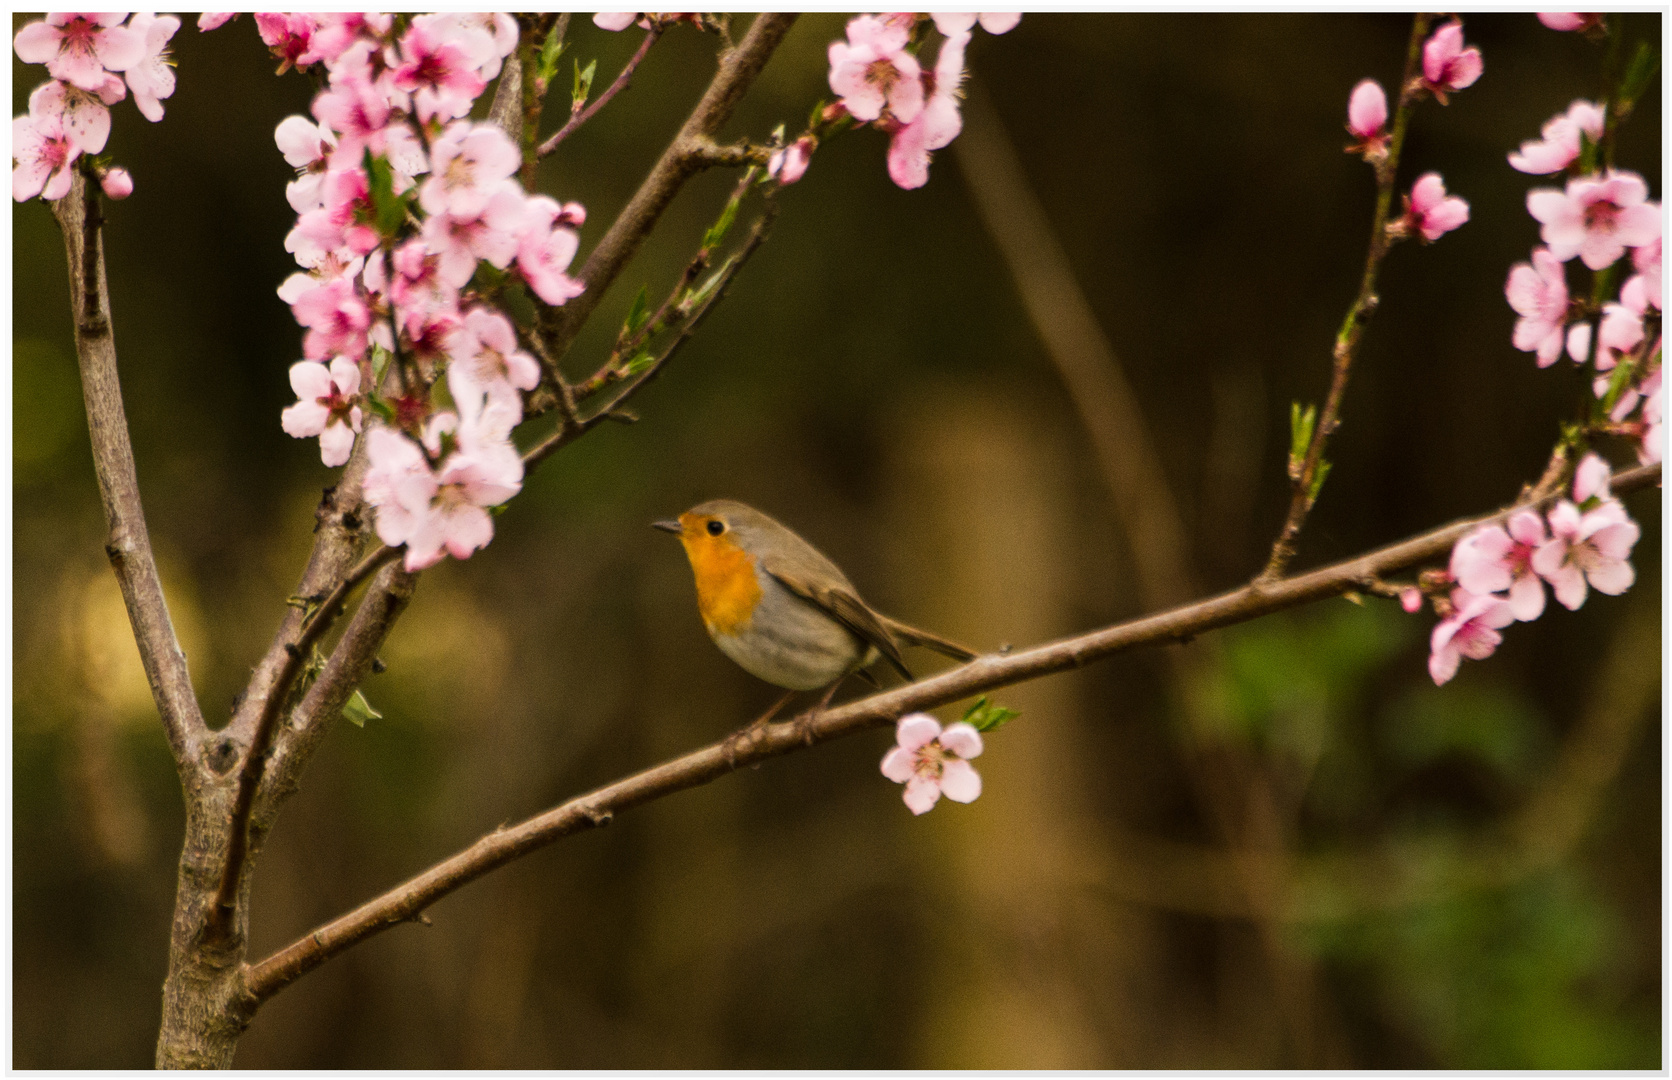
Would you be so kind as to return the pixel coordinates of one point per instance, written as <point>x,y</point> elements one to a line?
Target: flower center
<point>882,74</point>
<point>1601,215</point>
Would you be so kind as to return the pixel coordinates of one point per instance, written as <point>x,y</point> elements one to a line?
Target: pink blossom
<point>932,762</point>
<point>289,37</point>
<point>1590,479</point>
<point>936,125</point>
<point>1491,559</point>
<point>872,71</point>
<point>1596,218</point>
<point>486,361</point>
<point>82,113</point>
<point>438,73</point>
<point>80,47</point>
<point>337,319</point>
<point>416,284</point>
<point>151,77</point>
<point>546,246</point>
<point>307,147</point>
<point>328,407</point>
<point>1587,547</point>
<point>493,236</point>
<point>1410,600</point>
<point>486,37</point>
<point>1470,631</point>
<point>214,20</point>
<point>1560,144</point>
<point>1446,64</point>
<point>358,111</point>
<point>1538,293</point>
<point>789,163</point>
<point>44,153</point>
<point>335,32</point>
<point>116,184</point>
<point>1646,261</point>
<point>614,20</point>
<point>994,22</point>
<point>1570,20</point>
<point>1367,117</point>
<point>1430,211</point>
<point>468,163</point>
<point>436,513</point>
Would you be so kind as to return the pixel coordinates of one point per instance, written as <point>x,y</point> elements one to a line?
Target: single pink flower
<point>467,164</point>
<point>151,77</point>
<point>789,163</point>
<point>416,285</point>
<point>438,73</point>
<point>327,406</point>
<point>1619,331</point>
<point>438,512</point>
<point>872,71</point>
<point>1430,211</point>
<point>1491,560</point>
<point>1570,20</point>
<point>43,153</point>
<point>337,319</point>
<point>614,20</point>
<point>80,47</point>
<point>307,147</point>
<point>486,362</point>
<point>932,762</point>
<point>1560,143</point>
<point>1596,218</point>
<point>546,245</point>
<point>289,37</point>
<point>117,184</point>
<point>1587,547</point>
<point>214,20</point>
<point>1367,117</point>
<point>459,243</point>
<point>994,22</point>
<point>1538,293</point>
<point>1446,65</point>
<point>936,125</point>
<point>82,113</point>
<point>1470,631</point>
<point>329,267</point>
<point>358,110</point>
<point>486,37</point>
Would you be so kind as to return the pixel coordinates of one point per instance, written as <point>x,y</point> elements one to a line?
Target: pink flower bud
<point>1570,20</point>
<point>1411,601</point>
<point>117,184</point>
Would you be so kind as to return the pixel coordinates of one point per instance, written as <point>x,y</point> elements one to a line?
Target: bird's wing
<point>913,635</point>
<point>847,609</point>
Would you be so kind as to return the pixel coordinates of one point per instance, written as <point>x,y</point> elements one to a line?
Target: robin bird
<point>787,614</point>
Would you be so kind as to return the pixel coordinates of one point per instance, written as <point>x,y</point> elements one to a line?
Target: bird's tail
<point>911,635</point>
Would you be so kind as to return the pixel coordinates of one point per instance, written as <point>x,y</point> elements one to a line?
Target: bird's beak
<point>668,526</point>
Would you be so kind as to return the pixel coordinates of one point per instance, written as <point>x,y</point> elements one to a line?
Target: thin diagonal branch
<point>577,117</point>
<point>129,542</point>
<point>1303,480</point>
<point>683,158</point>
<point>597,808</point>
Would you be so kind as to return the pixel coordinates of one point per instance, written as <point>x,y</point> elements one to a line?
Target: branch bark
<point>129,542</point>
<point>597,808</point>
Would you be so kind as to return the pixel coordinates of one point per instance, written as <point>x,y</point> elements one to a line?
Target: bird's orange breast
<point>727,590</point>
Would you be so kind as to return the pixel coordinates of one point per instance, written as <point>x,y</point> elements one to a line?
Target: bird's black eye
<point>716,527</point>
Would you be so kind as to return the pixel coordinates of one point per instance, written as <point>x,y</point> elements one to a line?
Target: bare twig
<point>579,116</point>
<point>985,673</point>
<point>129,543</point>
<point>1303,480</point>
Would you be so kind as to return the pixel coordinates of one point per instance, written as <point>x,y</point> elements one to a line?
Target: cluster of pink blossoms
<point>1500,572</point>
<point>95,60</point>
<point>1599,216</point>
<point>388,306</point>
<point>1447,67</point>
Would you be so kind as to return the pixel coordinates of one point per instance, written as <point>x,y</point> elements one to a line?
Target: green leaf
<point>639,312</point>
<point>388,209</point>
<point>380,363</point>
<point>358,710</point>
<point>717,232</point>
<point>639,362</point>
<point>1638,74</point>
<point>550,52</point>
<point>1301,425</point>
<point>702,292</point>
<point>583,82</point>
<point>382,408</point>
<point>984,716</point>
<point>1318,480</point>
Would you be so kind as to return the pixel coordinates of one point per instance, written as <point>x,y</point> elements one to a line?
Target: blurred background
<point>1282,846</point>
